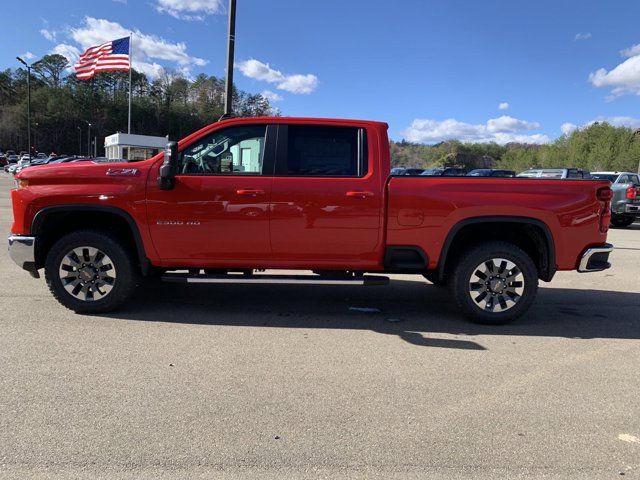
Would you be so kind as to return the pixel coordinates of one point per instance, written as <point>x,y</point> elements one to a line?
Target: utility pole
<point>79,140</point>
<point>88,138</point>
<point>228,109</point>
<point>28,101</point>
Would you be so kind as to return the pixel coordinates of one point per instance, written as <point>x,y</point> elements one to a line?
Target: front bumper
<point>22,250</point>
<point>595,259</point>
<point>632,209</point>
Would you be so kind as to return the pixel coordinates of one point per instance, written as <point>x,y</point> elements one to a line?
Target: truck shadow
<point>415,311</point>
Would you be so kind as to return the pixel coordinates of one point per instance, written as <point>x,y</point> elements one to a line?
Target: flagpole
<point>130,70</point>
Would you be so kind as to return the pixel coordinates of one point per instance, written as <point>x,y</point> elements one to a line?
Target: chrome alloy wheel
<point>87,273</point>
<point>496,285</point>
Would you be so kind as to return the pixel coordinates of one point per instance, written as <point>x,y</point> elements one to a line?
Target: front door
<point>218,213</point>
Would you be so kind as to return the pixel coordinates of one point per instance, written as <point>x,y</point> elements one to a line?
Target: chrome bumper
<point>632,208</point>
<point>596,259</point>
<point>22,250</point>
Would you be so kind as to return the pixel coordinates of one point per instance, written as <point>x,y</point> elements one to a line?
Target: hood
<point>87,172</point>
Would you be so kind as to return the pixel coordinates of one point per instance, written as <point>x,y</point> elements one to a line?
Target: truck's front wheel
<point>494,283</point>
<point>90,272</point>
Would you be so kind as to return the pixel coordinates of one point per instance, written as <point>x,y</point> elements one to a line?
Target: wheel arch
<point>531,234</point>
<point>50,223</point>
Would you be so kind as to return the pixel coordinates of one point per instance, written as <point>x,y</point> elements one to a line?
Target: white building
<point>133,147</point>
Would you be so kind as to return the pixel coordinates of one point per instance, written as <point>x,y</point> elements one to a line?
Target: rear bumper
<point>595,259</point>
<point>22,250</point>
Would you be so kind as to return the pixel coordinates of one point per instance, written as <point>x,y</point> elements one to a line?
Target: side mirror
<point>169,168</point>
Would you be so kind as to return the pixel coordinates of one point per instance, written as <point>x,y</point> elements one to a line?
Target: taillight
<point>605,194</point>
<point>632,193</point>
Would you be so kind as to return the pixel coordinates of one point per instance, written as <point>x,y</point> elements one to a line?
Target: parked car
<point>398,171</point>
<point>96,228</point>
<point>489,172</point>
<point>3,161</point>
<point>445,172</point>
<point>561,173</point>
<point>12,158</point>
<point>625,206</point>
<point>73,158</point>
<point>413,171</point>
<point>12,168</point>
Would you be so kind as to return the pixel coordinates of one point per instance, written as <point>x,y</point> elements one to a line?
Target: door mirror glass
<point>169,167</point>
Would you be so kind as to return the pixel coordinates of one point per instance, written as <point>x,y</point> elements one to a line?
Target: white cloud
<point>504,106</point>
<point>507,124</point>
<point>582,36</point>
<point>568,128</point>
<point>289,83</point>
<point>147,49</point>
<point>623,79</point>
<point>271,96</point>
<point>69,52</point>
<point>189,9</point>
<point>632,51</point>
<point>501,130</point>
<point>618,121</point>
<point>27,56</point>
<point>48,34</point>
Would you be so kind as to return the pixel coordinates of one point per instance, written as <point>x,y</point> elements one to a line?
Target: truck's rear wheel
<point>90,272</point>
<point>494,283</point>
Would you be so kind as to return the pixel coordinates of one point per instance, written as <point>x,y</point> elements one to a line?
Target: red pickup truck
<point>248,194</point>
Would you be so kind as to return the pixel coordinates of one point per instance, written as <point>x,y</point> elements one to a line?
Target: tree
<point>50,69</point>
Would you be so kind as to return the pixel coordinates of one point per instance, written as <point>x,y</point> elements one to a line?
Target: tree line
<point>596,147</point>
<point>62,106</point>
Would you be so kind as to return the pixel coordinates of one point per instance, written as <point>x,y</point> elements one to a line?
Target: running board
<point>366,280</point>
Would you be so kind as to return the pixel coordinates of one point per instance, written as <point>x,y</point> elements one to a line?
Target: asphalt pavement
<point>291,382</point>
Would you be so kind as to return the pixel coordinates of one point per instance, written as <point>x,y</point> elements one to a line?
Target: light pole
<point>35,137</point>
<point>88,138</point>
<point>228,109</point>
<point>79,140</point>
<point>28,101</point>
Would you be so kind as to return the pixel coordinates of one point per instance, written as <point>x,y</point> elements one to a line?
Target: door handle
<point>359,194</point>
<point>249,192</point>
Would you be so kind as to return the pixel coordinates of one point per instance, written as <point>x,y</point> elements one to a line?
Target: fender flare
<point>40,216</point>
<point>546,274</point>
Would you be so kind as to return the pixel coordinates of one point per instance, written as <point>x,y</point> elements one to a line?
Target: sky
<point>434,70</point>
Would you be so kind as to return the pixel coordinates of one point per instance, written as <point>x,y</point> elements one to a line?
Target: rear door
<point>326,200</point>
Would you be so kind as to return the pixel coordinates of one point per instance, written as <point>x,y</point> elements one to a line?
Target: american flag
<point>107,57</point>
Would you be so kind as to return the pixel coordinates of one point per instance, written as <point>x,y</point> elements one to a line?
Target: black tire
<point>121,285</point>
<point>515,288</point>
<point>433,278</point>
<point>621,221</point>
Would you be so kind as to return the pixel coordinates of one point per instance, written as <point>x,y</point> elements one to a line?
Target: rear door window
<point>322,151</point>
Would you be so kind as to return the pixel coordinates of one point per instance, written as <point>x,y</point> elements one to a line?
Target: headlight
<point>21,182</point>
